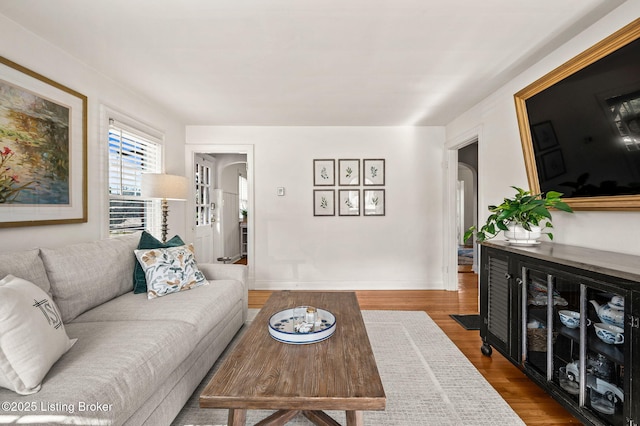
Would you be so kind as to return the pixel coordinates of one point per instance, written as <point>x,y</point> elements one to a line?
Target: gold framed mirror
<point>580,126</point>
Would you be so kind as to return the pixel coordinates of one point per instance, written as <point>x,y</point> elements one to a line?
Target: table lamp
<point>166,187</point>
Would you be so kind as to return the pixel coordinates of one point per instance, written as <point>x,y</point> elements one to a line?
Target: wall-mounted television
<point>580,126</point>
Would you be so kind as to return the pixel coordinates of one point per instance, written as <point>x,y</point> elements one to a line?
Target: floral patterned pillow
<point>169,270</point>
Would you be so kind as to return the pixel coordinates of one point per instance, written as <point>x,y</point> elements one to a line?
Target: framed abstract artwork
<point>349,202</point>
<point>373,172</point>
<point>324,201</point>
<point>324,172</point>
<point>43,150</point>
<point>373,202</point>
<point>349,172</point>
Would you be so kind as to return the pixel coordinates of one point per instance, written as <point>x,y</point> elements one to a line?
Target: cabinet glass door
<point>605,355</point>
<point>539,322</point>
<point>578,346</point>
<point>566,325</point>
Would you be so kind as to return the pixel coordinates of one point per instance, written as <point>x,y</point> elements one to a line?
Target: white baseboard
<point>347,285</point>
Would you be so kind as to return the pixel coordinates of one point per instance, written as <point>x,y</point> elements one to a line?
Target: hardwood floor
<point>531,403</point>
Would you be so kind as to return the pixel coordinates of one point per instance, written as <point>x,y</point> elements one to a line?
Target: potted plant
<point>523,218</point>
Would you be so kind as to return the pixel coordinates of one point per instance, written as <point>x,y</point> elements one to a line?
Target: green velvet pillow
<point>148,241</point>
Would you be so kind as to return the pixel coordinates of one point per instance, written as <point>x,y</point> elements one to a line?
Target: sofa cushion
<point>87,274</point>
<point>204,307</point>
<point>170,270</point>
<point>148,241</point>
<point>32,336</point>
<point>114,364</point>
<point>167,401</point>
<point>26,265</point>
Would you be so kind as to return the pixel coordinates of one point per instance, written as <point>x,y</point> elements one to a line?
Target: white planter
<point>517,235</point>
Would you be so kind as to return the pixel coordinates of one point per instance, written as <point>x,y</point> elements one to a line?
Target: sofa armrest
<point>221,271</point>
<point>218,271</point>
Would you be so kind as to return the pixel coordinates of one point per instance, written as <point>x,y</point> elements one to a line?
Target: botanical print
<point>34,148</point>
<point>374,204</point>
<point>373,172</point>
<point>349,202</point>
<point>324,172</point>
<point>349,172</point>
<point>323,202</point>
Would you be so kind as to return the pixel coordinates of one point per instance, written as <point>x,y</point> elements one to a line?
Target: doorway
<point>230,232</point>
<point>453,212</point>
<point>221,203</point>
<point>467,201</point>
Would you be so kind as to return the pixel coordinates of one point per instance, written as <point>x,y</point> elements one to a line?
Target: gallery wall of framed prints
<point>360,187</point>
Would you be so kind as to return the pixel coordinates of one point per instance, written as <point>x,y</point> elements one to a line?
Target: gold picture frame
<point>614,42</point>
<point>43,150</point>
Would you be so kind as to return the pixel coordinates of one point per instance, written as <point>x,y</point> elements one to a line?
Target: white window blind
<point>132,152</point>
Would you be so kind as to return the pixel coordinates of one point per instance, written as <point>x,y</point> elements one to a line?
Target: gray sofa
<point>136,361</point>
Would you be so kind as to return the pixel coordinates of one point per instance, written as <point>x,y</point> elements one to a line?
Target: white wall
<point>501,162</point>
<point>294,249</point>
<point>230,175</point>
<point>38,55</point>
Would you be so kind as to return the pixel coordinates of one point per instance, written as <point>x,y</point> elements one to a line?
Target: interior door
<point>205,209</point>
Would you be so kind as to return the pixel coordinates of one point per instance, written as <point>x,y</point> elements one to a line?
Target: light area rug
<point>426,378</point>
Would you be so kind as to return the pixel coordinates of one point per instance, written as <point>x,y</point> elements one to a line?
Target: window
<point>243,195</point>
<point>131,153</point>
<point>203,193</point>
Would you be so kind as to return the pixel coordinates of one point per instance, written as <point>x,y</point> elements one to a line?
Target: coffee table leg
<point>355,418</point>
<point>278,418</point>
<point>320,418</point>
<point>237,417</point>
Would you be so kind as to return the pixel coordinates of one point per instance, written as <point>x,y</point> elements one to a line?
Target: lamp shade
<point>168,187</point>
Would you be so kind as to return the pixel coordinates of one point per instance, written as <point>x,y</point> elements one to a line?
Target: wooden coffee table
<point>339,373</point>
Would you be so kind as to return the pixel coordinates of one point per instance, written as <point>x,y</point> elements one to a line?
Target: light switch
<point>280,191</point>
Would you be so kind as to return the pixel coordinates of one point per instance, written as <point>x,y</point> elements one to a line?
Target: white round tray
<point>281,328</point>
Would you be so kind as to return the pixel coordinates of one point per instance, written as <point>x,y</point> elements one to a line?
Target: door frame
<point>451,181</point>
<point>190,151</point>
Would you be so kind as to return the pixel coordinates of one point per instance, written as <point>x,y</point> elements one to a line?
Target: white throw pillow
<point>170,270</point>
<point>32,336</point>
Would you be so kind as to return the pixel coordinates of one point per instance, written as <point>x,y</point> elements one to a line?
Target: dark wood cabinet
<point>499,305</point>
<point>569,317</point>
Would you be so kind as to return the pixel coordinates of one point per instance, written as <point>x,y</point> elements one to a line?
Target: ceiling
<point>309,62</point>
